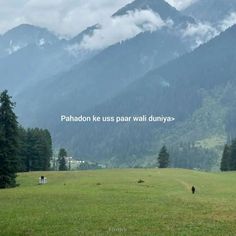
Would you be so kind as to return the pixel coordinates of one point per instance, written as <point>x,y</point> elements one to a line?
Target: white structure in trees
<point>42,180</point>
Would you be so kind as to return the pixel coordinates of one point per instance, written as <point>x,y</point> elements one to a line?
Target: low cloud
<point>200,32</point>
<point>121,28</point>
<point>229,21</point>
<point>69,17</point>
<point>64,17</point>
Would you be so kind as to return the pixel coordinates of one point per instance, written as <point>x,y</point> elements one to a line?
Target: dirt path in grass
<point>185,184</point>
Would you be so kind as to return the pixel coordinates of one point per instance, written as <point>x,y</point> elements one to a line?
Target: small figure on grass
<point>193,189</point>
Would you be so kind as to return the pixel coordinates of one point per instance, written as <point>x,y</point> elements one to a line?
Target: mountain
<point>197,89</point>
<point>213,11</point>
<point>103,76</point>
<point>152,73</point>
<point>22,36</point>
<point>30,54</point>
<point>161,7</point>
<point>89,31</point>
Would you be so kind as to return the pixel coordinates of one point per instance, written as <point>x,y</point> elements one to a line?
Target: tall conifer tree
<point>225,161</point>
<point>232,162</point>
<point>163,158</point>
<point>8,142</point>
<point>62,159</point>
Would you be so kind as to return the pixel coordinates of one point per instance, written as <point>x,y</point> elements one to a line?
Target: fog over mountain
<point>30,54</point>
<point>59,16</point>
<point>194,89</point>
<point>213,16</point>
<point>144,57</point>
<point>109,72</point>
<point>213,11</point>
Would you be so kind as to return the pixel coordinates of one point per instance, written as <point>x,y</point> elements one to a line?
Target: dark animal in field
<point>193,189</point>
<point>141,181</point>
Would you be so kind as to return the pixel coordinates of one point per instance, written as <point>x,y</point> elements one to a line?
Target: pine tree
<point>8,142</point>
<point>163,158</point>
<point>225,161</point>
<point>39,149</point>
<point>46,141</point>
<point>232,162</point>
<point>62,159</point>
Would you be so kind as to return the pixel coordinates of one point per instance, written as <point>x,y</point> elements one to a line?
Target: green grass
<point>73,203</point>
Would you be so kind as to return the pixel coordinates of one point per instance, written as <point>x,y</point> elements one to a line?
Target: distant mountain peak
<point>25,27</point>
<point>164,9</point>
<point>88,31</point>
<point>25,34</point>
<point>159,6</point>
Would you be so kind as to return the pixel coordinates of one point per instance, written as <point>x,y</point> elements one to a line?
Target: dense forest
<point>228,161</point>
<point>20,149</point>
<point>34,149</point>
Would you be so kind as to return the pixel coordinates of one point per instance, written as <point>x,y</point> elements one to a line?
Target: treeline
<point>89,166</point>
<point>191,156</point>
<point>34,150</point>
<point>20,149</point>
<point>228,161</point>
<point>187,156</point>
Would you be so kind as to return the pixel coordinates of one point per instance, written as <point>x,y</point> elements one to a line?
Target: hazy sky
<point>65,17</point>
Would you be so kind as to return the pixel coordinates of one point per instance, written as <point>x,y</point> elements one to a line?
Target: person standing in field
<point>193,189</point>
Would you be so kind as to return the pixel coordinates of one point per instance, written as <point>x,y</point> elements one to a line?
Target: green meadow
<point>112,202</point>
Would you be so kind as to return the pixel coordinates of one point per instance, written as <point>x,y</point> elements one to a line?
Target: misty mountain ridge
<point>40,54</point>
<point>30,54</point>
<point>165,10</point>
<point>197,95</point>
<point>212,11</point>
<point>104,75</point>
<point>152,71</point>
<point>24,35</point>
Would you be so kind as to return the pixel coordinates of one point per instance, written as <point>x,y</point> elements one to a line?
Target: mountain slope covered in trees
<point>105,75</point>
<point>197,89</point>
<point>151,72</point>
<point>30,55</point>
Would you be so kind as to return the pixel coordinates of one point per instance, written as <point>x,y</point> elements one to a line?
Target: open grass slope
<point>111,202</point>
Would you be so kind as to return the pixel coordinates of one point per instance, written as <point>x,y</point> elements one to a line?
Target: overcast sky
<point>64,17</point>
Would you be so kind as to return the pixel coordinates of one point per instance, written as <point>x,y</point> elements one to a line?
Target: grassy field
<point>111,202</point>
